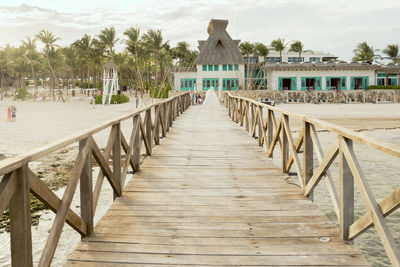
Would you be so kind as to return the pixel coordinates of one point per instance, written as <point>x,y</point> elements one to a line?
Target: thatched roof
<point>110,65</point>
<point>219,47</point>
<point>283,66</point>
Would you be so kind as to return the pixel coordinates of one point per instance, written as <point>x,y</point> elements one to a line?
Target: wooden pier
<point>207,193</point>
<point>209,196</point>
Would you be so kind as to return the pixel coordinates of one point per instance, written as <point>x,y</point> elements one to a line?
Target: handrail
<point>272,133</point>
<point>19,181</point>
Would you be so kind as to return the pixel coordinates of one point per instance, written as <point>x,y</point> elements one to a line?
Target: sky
<point>334,26</point>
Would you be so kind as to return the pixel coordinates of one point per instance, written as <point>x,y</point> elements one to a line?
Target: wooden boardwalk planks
<point>208,196</point>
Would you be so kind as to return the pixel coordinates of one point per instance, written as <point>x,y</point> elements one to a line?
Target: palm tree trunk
<point>2,84</point>
<point>34,80</point>
<point>88,75</point>
<point>138,70</point>
<point>248,72</point>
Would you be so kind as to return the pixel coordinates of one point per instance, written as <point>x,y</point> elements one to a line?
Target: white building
<point>218,65</point>
<point>289,57</point>
<point>328,76</point>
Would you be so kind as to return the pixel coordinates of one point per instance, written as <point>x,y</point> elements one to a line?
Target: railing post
<point>228,100</point>
<point>86,190</point>
<point>252,118</point>
<point>285,147</point>
<point>136,144</point>
<point>247,116</point>
<point>20,221</point>
<point>167,115</point>
<point>260,126</point>
<point>237,110</point>
<point>270,132</point>
<point>147,124</point>
<point>157,124</point>
<point>346,191</point>
<point>164,117</point>
<point>116,156</point>
<point>308,156</point>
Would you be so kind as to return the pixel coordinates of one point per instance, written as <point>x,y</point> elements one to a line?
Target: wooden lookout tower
<point>110,81</point>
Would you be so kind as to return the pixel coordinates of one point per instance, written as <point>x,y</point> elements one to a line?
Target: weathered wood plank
<point>189,205</point>
<point>20,221</point>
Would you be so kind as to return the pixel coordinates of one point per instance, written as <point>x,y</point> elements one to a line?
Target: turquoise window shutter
<point>366,82</point>
<point>352,83</point>
<point>318,83</point>
<point>343,83</point>
<point>280,84</point>
<point>303,84</point>
<point>204,67</point>
<point>216,67</point>
<point>328,83</point>
<point>294,83</point>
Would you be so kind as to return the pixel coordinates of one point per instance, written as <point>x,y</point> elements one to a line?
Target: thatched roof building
<point>219,48</point>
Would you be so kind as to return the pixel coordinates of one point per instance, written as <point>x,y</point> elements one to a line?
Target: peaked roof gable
<point>219,47</point>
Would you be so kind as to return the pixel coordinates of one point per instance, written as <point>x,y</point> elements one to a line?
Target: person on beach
<point>9,113</point>
<point>13,113</point>
<point>94,99</point>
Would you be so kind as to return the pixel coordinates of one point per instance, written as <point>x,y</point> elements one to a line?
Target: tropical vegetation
<point>144,64</point>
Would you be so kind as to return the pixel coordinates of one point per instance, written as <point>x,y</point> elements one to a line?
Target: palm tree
<point>84,49</point>
<point>181,51</point>
<point>70,57</point>
<point>49,41</point>
<point>153,42</point>
<point>247,49</point>
<point>392,52</point>
<point>98,50</point>
<point>279,45</point>
<point>108,38</point>
<point>260,50</point>
<point>297,47</point>
<point>132,46</point>
<point>364,52</point>
<point>29,46</point>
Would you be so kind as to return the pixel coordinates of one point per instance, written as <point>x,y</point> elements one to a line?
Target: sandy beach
<point>39,123</point>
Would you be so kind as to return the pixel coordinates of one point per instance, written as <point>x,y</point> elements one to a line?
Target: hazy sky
<point>334,26</point>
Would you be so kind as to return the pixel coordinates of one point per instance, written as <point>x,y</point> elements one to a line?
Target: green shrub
<point>119,99</point>
<point>27,82</point>
<point>21,94</point>
<point>383,87</point>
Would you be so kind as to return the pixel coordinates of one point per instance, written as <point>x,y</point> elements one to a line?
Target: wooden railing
<point>19,181</point>
<point>261,121</point>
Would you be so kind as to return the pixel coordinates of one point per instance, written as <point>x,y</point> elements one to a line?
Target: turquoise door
<point>188,84</point>
<point>318,83</point>
<point>230,84</point>
<point>352,83</point>
<point>303,83</point>
<point>328,83</point>
<point>209,83</point>
<point>343,83</point>
<point>294,84</point>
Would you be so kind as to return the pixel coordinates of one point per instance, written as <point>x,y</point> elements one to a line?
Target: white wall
<point>273,76</point>
<point>182,75</point>
<point>200,74</point>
